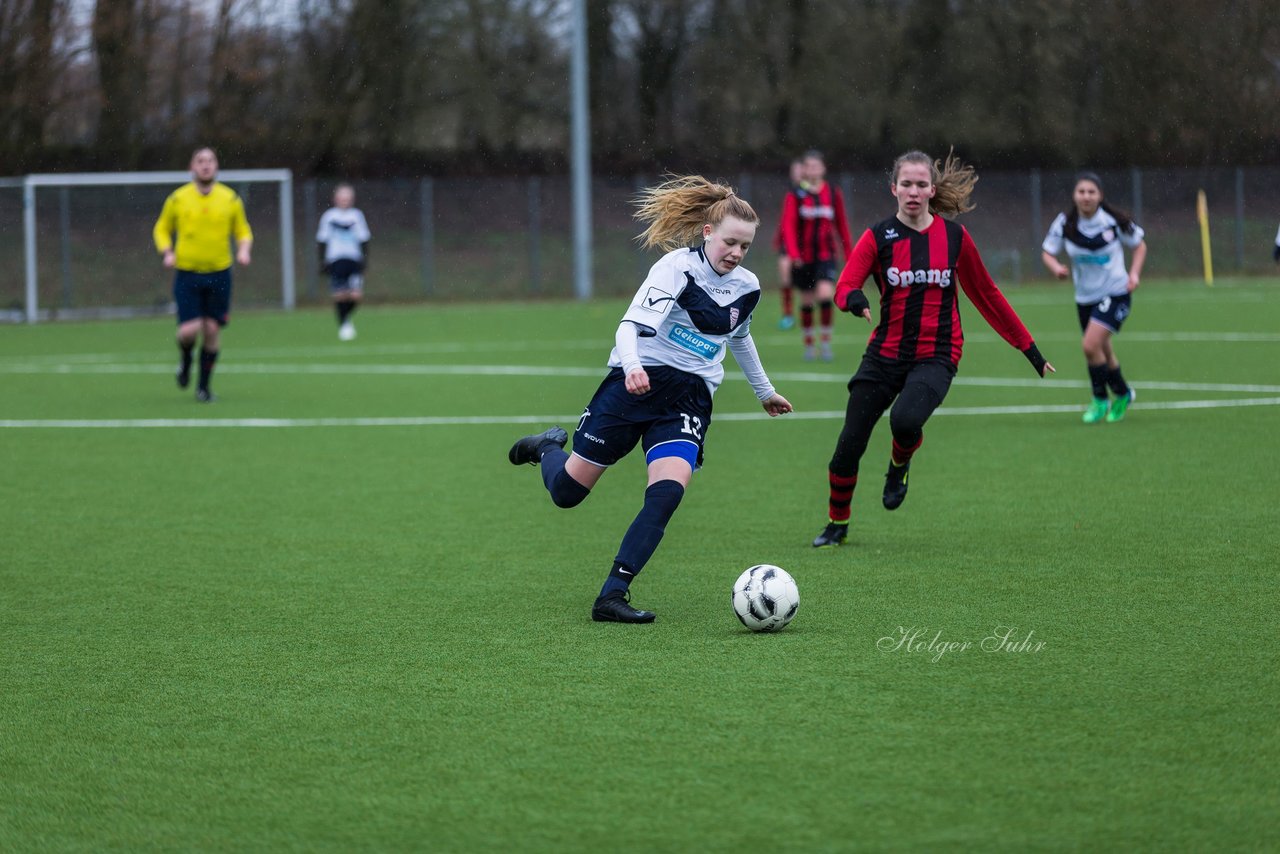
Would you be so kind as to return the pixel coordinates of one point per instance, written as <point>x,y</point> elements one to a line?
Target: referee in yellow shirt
<point>194,234</point>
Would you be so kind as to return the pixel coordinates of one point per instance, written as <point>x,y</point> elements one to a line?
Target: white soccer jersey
<point>342,230</point>
<point>1096,253</point>
<point>686,313</point>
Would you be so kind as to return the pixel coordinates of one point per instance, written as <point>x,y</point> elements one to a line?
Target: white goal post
<point>282,177</point>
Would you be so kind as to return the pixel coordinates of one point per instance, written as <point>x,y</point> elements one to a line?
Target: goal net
<point>86,248</point>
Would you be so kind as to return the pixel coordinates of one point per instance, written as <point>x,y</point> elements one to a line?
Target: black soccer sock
<point>344,308</point>
<point>641,540</point>
<point>1115,380</point>
<point>1098,379</point>
<point>565,491</point>
<point>186,349</point>
<point>207,358</point>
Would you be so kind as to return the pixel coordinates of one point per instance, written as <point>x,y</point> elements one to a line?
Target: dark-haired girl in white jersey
<point>1094,235</point>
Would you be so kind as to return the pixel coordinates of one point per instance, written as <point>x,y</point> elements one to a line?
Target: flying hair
<point>676,210</point>
<point>953,181</point>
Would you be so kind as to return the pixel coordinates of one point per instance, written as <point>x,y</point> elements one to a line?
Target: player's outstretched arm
<point>1038,361</point>
<point>776,405</point>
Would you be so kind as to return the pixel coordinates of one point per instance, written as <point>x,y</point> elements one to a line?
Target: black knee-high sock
<point>207,358</point>
<point>186,349</point>
<point>641,540</point>
<point>1098,379</point>
<point>565,491</point>
<point>344,310</point>
<point>1115,380</point>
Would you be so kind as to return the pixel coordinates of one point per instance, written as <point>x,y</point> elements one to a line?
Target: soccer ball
<point>765,598</point>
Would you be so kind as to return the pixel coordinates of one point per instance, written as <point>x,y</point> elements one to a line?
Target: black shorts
<point>892,375</point>
<point>672,418</point>
<point>346,274</point>
<point>1110,313</point>
<point>806,277</point>
<point>203,295</point>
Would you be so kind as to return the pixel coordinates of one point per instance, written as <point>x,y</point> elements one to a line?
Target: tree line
<point>385,87</point>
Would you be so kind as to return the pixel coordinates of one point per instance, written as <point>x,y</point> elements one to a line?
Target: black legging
<point>867,402</point>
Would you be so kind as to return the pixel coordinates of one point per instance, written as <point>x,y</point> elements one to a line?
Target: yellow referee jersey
<point>203,226</point>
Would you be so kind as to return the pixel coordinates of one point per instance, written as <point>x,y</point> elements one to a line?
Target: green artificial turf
<point>299,630</point>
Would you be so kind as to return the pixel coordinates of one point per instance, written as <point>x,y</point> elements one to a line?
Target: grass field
<point>326,613</point>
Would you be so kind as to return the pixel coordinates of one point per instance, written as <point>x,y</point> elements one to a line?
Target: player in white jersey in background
<point>665,366</point>
<point>343,238</point>
<point>1094,235</point>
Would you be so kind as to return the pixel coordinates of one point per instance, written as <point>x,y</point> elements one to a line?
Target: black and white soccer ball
<point>765,598</point>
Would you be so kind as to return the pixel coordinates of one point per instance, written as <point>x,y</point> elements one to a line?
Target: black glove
<point>1033,356</point>
<point>856,302</point>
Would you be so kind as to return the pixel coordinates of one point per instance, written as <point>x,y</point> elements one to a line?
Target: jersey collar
<point>707,262</point>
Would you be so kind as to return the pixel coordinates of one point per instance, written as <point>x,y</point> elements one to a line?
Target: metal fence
<point>510,238</point>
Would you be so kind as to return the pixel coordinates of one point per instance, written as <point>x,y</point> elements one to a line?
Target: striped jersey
<point>686,313</point>
<point>811,222</point>
<point>1096,252</point>
<point>917,273</point>
<point>199,227</point>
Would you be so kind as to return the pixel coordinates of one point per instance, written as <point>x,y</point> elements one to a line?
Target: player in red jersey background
<point>788,319</point>
<point>917,259</point>
<point>812,218</point>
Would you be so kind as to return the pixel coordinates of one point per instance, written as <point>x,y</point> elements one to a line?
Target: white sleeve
<point>1133,237</point>
<point>1053,240</point>
<point>656,297</point>
<point>626,339</point>
<point>748,358</point>
<point>322,233</point>
<point>1278,237</point>
<point>362,228</point>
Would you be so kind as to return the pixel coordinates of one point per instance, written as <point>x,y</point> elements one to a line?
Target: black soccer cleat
<point>531,448</point>
<point>832,535</point>
<point>203,395</point>
<point>895,485</point>
<point>183,376</point>
<point>615,608</point>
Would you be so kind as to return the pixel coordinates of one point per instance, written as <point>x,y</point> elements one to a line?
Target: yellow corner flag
<point>1202,213</point>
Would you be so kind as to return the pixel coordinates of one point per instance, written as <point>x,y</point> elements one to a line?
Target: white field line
<point>600,346</point>
<point>453,421</point>
<point>331,369</point>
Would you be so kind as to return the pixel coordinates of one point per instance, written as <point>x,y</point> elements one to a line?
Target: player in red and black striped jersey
<point>812,218</point>
<point>917,259</point>
<point>788,318</point>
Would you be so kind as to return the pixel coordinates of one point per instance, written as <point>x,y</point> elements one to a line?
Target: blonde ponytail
<point>678,208</point>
